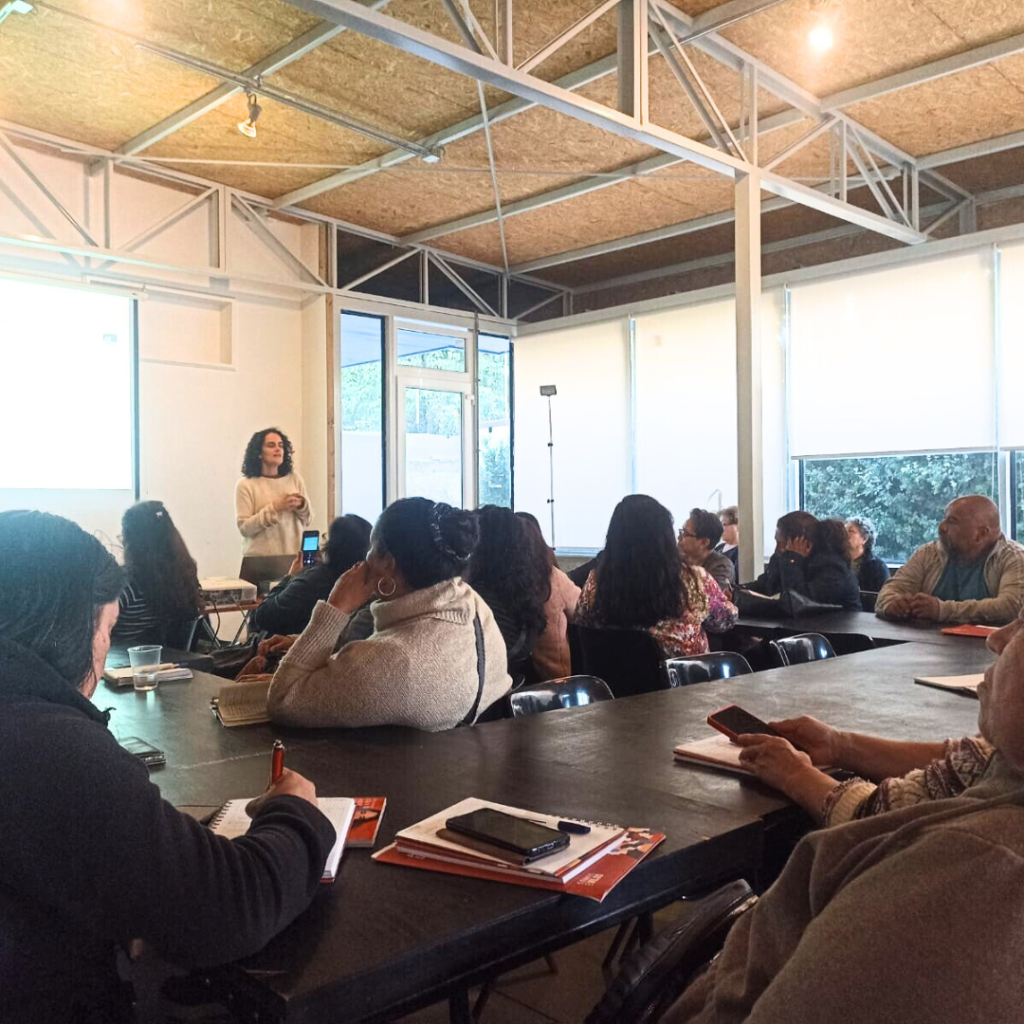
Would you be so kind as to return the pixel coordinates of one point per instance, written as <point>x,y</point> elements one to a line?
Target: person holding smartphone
<point>271,504</point>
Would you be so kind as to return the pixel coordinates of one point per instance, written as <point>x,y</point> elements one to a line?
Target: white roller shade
<point>590,367</point>
<point>1011,370</point>
<point>686,406</point>
<point>895,360</point>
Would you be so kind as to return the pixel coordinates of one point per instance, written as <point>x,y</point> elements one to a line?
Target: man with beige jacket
<point>972,573</point>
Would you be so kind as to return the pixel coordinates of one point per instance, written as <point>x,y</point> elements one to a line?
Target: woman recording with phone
<point>271,505</point>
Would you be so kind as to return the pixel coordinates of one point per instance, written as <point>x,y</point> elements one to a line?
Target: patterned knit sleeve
<point>722,613</point>
<point>585,604</point>
<point>962,764</point>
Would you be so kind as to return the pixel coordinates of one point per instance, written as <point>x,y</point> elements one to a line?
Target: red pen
<point>276,761</point>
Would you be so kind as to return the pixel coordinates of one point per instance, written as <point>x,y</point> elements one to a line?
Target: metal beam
<point>726,14</point>
<point>463,61</point>
<point>541,55</point>
<point>927,72</point>
<point>197,108</point>
<point>974,149</point>
<point>632,59</point>
<point>273,243</point>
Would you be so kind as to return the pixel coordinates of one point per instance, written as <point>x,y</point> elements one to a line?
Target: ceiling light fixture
<point>14,7</point>
<point>434,156</point>
<point>820,36</point>
<point>248,126</point>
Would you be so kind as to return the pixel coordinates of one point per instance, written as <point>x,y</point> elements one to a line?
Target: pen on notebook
<point>276,761</point>
<point>575,828</point>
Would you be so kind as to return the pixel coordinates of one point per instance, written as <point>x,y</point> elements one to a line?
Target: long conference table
<point>384,940</point>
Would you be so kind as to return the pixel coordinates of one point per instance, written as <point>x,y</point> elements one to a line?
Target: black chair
<point>800,649</point>
<point>868,599</point>
<point>651,980</point>
<point>572,636</point>
<point>568,692</point>
<point>628,660</point>
<point>179,635</point>
<point>702,668</point>
<point>850,643</point>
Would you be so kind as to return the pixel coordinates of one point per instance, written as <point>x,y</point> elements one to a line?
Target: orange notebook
<point>366,821</point>
<point>968,630</point>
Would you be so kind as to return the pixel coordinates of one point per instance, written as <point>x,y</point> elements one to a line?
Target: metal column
<point>748,376</point>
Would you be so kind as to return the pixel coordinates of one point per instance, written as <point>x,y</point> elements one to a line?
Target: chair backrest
<point>850,643</point>
<point>628,660</point>
<point>868,599</point>
<point>702,668</point>
<point>180,634</point>
<point>654,977</point>
<point>567,692</point>
<point>797,650</point>
<point>572,636</point>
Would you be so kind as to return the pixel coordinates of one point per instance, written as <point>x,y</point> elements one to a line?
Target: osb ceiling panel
<point>627,208</point>
<point>72,79</point>
<point>953,111</point>
<point>873,38</point>
<point>998,215</point>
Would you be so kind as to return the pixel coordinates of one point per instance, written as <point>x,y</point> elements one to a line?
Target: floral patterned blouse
<point>707,608</point>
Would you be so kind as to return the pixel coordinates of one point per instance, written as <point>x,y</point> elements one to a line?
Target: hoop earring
<point>389,593</point>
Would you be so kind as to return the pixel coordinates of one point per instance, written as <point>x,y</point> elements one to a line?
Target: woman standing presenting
<point>271,506</point>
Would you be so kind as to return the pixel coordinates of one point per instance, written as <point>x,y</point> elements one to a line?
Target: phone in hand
<point>734,721</point>
<point>310,547</point>
<point>524,838</point>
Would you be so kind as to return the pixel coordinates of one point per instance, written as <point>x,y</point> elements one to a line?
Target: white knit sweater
<point>264,530</point>
<point>419,668</point>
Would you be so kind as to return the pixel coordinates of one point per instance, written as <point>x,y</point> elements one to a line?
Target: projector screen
<point>68,407</point>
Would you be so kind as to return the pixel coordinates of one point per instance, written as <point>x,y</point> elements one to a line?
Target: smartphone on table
<point>310,547</point>
<point>524,838</point>
<point>734,721</point>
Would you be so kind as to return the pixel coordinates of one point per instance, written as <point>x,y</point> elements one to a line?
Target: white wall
<point>213,368</point>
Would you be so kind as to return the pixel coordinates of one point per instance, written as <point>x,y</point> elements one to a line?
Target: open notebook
<point>716,751</point>
<point>231,821</point>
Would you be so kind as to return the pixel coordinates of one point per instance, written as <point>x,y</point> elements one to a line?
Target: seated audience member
<point>92,858</point>
<point>161,595</point>
<point>812,558</point>
<point>921,899</point>
<point>972,573</point>
<point>871,572</point>
<point>436,658</point>
<point>510,568</point>
<point>729,544</point>
<point>643,583</point>
<point>698,541</point>
<point>550,656</point>
<point>288,607</point>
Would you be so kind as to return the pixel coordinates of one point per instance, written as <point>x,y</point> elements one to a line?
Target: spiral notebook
<point>231,821</point>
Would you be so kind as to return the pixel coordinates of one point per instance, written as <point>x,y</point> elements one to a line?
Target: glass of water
<point>145,661</point>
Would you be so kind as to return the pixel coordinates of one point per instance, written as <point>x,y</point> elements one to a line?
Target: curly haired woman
<point>271,505</point>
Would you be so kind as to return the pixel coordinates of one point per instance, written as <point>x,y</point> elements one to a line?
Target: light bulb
<point>820,38</point>
<point>247,128</point>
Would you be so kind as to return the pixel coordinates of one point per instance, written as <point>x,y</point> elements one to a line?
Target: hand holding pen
<point>283,782</point>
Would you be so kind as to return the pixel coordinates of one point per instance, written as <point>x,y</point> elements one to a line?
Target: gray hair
<point>868,531</point>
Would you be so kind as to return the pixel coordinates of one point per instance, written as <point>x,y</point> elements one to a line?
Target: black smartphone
<point>734,721</point>
<point>525,838</point>
<point>145,752</point>
<point>310,546</point>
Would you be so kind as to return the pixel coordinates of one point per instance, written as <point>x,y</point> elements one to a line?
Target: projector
<point>222,590</point>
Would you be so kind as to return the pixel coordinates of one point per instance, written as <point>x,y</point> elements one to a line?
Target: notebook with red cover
<point>969,630</point>
<point>366,821</point>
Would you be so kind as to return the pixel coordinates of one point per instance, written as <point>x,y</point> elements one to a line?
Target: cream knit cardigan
<point>419,668</point>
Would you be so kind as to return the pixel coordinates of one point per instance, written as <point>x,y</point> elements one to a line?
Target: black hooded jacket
<point>92,857</point>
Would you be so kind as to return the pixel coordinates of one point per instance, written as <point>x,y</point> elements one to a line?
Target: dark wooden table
<point>866,623</point>
<point>385,940</point>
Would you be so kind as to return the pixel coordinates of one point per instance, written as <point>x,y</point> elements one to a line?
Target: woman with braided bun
<point>436,658</point>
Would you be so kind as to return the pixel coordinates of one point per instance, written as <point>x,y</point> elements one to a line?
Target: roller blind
<point>1011,370</point>
<point>895,360</point>
<point>590,367</point>
<point>686,406</point>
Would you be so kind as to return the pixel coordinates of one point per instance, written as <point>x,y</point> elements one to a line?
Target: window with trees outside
<point>494,405</point>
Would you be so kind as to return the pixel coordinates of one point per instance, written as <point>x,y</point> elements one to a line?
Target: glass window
<point>431,349</point>
<point>362,415</point>
<point>494,405</point>
<point>433,445</point>
<point>904,494</point>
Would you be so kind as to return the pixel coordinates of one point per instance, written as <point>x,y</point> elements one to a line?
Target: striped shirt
<point>136,622</point>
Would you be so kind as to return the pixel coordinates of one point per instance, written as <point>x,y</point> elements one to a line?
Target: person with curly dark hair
<point>162,593</point>
<point>435,659</point>
<point>511,570</point>
<point>643,583</point>
<point>870,570</point>
<point>271,504</point>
